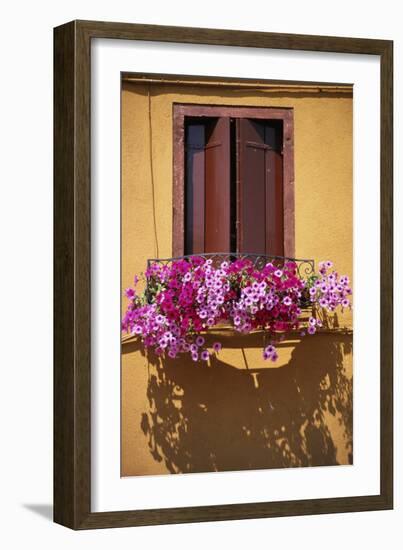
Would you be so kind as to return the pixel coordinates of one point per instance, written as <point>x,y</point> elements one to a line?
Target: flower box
<point>184,297</point>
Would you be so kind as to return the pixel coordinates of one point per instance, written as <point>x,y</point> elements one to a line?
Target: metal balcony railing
<point>305,267</point>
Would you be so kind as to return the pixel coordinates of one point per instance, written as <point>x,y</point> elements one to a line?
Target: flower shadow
<point>222,418</point>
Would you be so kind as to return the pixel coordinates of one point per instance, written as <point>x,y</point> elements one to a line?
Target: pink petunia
<point>130,293</point>
<point>217,347</point>
<point>199,341</point>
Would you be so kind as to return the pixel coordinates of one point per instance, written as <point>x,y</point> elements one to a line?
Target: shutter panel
<point>251,186</point>
<point>217,186</point>
<point>274,203</point>
<point>260,227</point>
<point>195,189</point>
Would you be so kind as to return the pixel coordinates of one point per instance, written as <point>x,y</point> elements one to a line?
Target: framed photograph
<point>222,274</point>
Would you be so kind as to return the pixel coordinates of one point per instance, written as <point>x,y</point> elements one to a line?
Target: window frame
<point>182,110</point>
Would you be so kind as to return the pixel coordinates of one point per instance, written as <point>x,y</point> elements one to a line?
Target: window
<point>233,180</point>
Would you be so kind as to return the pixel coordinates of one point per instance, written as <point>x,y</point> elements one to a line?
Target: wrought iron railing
<point>305,267</point>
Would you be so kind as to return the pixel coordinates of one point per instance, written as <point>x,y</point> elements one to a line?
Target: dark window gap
<point>233,187</point>
<point>195,130</point>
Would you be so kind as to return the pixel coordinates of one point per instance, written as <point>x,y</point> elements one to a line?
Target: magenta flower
<point>130,293</point>
<point>200,341</point>
<point>217,347</point>
<point>270,352</point>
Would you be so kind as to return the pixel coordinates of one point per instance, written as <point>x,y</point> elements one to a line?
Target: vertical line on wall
<point>150,134</point>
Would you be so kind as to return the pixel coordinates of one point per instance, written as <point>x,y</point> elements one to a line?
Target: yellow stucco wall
<point>307,425</point>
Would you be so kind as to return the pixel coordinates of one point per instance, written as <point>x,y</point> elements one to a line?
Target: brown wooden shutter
<point>260,217</point>
<point>208,167</point>
<point>217,186</point>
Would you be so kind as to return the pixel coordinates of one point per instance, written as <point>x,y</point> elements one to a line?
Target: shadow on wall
<point>219,418</point>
